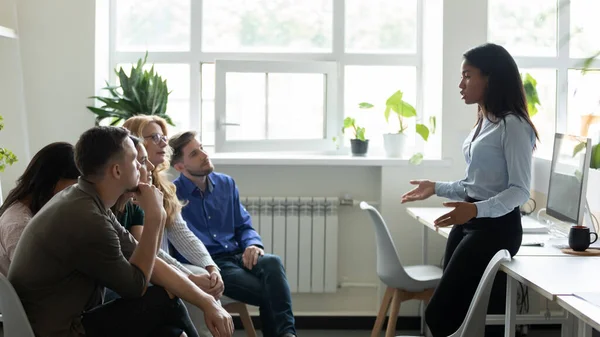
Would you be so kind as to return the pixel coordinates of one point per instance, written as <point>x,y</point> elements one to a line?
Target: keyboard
<point>532,226</point>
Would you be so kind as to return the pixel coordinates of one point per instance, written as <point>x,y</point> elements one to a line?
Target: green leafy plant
<point>359,132</point>
<point>403,110</point>
<point>531,94</point>
<point>7,157</point>
<point>143,92</point>
<point>594,157</point>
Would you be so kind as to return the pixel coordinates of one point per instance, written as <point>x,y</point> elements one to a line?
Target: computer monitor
<point>568,178</point>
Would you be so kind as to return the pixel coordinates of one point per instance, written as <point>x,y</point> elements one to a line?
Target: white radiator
<point>303,232</point>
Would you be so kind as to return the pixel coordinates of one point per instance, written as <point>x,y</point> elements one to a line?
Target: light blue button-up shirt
<point>498,167</point>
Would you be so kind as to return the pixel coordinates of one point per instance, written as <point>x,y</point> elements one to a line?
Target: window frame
<point>195,57</point>
<point>331,118</point>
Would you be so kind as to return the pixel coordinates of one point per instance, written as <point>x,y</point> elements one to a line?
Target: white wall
<point>14,135</point>
<point>57,48</point>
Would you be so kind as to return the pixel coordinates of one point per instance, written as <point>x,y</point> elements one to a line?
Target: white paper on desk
<point>532,226</point>
<point>593,298</point>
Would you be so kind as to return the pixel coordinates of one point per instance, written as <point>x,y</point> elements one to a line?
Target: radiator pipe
<point>354,202</point>
<point>357,285</point>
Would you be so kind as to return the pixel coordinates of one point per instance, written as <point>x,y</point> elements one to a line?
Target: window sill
<point>288,159</point>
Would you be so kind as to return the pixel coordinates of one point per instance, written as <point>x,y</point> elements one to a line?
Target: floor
<point>364,333</point>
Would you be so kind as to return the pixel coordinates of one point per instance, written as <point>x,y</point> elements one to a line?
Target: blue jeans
<point>265,286</point>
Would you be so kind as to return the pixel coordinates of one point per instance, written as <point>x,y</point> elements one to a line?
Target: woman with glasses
<point>204,271</point>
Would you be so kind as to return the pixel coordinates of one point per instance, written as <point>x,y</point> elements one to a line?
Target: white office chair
<point>474,322</point>
<point>16,323</point>
<point>403,283</point>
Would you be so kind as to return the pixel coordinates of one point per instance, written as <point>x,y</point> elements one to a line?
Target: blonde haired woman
<point>202,270</point>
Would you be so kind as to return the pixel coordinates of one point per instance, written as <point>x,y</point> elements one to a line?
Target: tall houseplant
<point>394,142</point>
<point>143,92</point>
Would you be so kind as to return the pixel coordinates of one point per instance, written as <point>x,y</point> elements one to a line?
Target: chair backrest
<point>474,323</point>
<point>15,321</point>
<point>389,267</point>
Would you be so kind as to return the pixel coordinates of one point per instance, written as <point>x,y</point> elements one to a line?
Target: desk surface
<point>426,216</point>
<point>585,311</point>
<point>577,274</point>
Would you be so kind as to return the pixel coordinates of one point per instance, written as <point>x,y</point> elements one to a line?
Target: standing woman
<point>498,152</point>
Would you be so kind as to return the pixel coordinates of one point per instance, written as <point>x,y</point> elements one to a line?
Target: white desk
<point>552,276</point>
<point>544,269</point>
<point>587,313</point>
<point>426,216</point>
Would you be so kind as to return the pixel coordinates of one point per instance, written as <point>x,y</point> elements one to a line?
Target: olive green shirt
<point>72,248</point>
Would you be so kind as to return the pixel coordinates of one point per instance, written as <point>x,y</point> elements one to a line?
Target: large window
<point>550,40</point>
<point>278,75</point>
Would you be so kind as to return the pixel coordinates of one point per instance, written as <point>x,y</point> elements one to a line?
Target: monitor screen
<point>568,178</point>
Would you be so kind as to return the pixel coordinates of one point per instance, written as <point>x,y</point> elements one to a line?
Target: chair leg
<point>383,309</point>
<point>242,310</point>
<point>391,327</point>
<point>247,322</point>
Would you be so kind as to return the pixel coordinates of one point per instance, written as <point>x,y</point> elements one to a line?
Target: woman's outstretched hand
<point>424,189</point>
<point>463,212</point>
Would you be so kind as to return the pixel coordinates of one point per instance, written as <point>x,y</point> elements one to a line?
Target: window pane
<point>153,25</point>
<point>381,26</point>
<point>584,27</point>
<point>179,111</point>
<point>176,75</point>
<point>545,119</point>
<point>208,81</point>
<point>524,28</point>
<point>296,106</point>
<point>208,123</point>
<point>583,103</point>
<point>374,84</point>
<point>178,83</point>
<point>267,25</point>
<point>208,104</point>
<point>245,105</point>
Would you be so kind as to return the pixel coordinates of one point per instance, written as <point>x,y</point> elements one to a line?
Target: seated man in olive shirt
<point>74,247</point>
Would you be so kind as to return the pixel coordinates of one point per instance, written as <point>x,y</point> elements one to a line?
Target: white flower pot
<point>394,144</point>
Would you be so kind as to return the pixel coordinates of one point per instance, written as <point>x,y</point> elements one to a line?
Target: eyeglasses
<point>157,138</point>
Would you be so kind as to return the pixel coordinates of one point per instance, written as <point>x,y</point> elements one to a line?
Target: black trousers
<point>469,249</point>
<point>152,315</point>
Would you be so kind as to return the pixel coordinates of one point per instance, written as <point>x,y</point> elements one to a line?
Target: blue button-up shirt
<point>498,167</point>
<point>216,215</point>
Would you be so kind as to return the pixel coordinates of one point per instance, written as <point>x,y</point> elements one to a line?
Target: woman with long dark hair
<point>498,152</point>
<point>50,171</point>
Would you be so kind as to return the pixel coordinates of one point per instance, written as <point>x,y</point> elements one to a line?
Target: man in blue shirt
<point>216,216</point>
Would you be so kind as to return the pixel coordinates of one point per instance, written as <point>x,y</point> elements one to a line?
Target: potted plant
<point>359,145</point>
<point>143,92</point>
<point>394,142</point>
